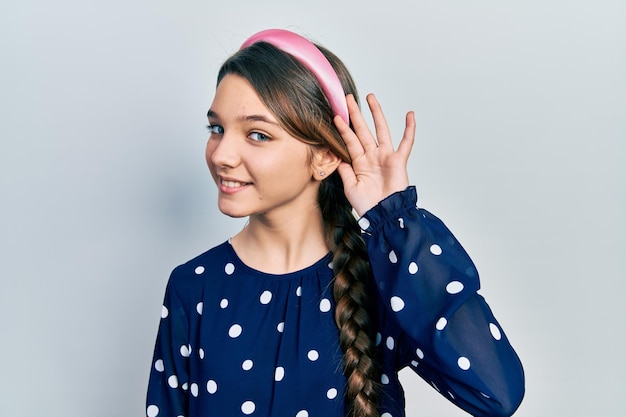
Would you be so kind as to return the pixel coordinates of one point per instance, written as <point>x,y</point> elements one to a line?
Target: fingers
<point>352,142</point>
<point>408,138</point>
<point>360,140</point>
<point>380,123</point>
<point>368,141</point>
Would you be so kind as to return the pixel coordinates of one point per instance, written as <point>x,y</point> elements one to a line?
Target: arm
<point>426,280</point>
<point>167,388</point>
<point>428,286</point>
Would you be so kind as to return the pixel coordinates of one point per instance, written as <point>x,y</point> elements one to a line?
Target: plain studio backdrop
<point>520,107</point>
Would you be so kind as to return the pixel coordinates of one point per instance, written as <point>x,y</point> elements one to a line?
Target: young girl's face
<point>258,167</point>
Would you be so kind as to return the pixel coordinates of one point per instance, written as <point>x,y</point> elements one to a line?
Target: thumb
<point>348,177</point>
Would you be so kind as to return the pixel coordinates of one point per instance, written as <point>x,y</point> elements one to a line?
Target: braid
<point>350,289</point>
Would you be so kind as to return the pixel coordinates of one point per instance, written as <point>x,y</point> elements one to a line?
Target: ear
<point>324,163</point>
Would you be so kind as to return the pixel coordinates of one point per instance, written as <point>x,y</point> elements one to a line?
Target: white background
<point>521,124</point>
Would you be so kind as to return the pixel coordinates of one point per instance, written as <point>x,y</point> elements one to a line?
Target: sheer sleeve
<point>168,384</point>
<point>444,329</point>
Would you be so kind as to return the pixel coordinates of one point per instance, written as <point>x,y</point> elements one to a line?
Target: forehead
<point>235,96</point>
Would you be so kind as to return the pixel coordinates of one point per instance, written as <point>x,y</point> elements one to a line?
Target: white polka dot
<point>364,224</point>
<point>152,411</point>
<point>441,323</point>
<point>454,287</point>
<point>211,386</point>
<point>330,265</point>
<point>419,353</point>
<point>185,351</point>
<point>484,395</point>
<point>185,386</point>
<point>266,297</point>
<point>495,332</point>
<point>172,381</point>
<point>199,270</point>
<point>224,303</point>
<point>247,365</point>
<point>393,258</point>
<point>194,389</point>
<point>401,223</point>
<point>279,373</point>
<point>463,363</point>
<point>299,291</point>
<point>164,312</point>
<point>201,353</point>
<point>248,407</point>
<point>435,249</point>
<point>302,413</point>
<point>229,268</point>
<point>313,355</point>
<point>414,363</point>
<point>235,331</point>
<point>379,339</point>
<point>397,303</point>
<point>451,395</point>
<point>386,415</point>
<point>158,365</point>
<point>384,379</point>
<point>331,393</point>
<point>281,326</point>
<point>435,386</point>
<point>390,343</point>
<point>199,307</point>
<point>413,268</point>
<point>325,305</point>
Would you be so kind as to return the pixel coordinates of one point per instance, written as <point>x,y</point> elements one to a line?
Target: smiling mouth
<point>233,184</point>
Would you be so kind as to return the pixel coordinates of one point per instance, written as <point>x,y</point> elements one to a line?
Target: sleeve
<point>167,394</point>
<point>428,286</point>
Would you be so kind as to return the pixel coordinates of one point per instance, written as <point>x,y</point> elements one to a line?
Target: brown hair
<point>293,95</point>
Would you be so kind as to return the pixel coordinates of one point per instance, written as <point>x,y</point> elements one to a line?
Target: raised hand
<point>377,170</point>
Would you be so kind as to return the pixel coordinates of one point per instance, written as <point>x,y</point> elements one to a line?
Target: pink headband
<point>312,58</point>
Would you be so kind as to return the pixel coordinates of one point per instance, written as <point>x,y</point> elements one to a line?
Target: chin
<point>232,211</point>
<point>233,215</point>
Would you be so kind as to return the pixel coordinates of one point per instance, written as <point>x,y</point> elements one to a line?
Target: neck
<point>282,244</point>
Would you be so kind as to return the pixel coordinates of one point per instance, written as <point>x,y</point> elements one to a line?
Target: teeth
<point>232,184</point>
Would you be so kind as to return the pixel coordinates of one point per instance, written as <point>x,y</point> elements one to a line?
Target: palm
<point>377,170</point>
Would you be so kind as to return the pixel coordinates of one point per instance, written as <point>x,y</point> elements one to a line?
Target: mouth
<point>233,184</point>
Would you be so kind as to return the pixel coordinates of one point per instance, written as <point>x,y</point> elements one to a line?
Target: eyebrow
<point>249,118</point>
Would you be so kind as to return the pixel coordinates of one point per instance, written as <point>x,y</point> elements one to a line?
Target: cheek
<point>289,165</point>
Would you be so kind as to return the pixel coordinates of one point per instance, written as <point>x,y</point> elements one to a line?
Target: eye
<point>258,137</point>
<point>215,129</point>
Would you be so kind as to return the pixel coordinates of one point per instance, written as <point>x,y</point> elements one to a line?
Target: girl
<point>308,312</point>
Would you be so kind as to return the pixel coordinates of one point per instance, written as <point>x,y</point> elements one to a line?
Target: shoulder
<point>192,274</point>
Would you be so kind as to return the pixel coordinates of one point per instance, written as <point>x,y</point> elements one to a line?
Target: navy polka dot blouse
<point>234,341</point>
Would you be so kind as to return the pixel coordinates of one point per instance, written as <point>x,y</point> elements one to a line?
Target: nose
<point>222,152</point>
